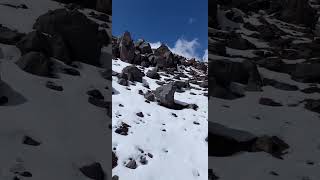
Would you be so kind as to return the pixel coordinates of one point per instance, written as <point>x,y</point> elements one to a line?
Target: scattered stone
<point>269,102</point>
<point>53,86</point>
<point>132,164</point>
<point>95,93</point>
<point>30,141</point>
<point>123,129</point>
<point>93,171</point>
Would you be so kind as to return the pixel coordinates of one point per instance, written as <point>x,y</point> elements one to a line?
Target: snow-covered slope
<point>49,133</point>
<point>164,143</point>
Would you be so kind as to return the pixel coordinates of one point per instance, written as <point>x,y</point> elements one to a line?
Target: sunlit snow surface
<point>178,153</point>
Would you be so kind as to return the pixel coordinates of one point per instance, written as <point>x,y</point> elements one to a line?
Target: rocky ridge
<point>159,110</point>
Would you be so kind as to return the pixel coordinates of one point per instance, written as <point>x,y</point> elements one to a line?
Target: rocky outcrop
<point>76,31</point>
<point>140,53</point>
<point>299,12</point>
<point>8,36</point>
<point>132,73</point>
<point>165,95</point>
<point>35,63</point>
<point>126,48</point>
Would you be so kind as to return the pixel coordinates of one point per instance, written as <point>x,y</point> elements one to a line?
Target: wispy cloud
<point>191,20</point>
<point>185,48</point>
<point>205,56</point>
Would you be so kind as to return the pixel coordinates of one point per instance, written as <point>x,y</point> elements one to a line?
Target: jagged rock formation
<point>159,98</point>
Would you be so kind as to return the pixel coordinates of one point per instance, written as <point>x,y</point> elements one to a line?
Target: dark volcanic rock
<point>35,63</point>
<point>133,73</point>
<point>299,12</point>
<point>308,73</point>
<point>312,105</point>
<point>114,160</point>
<point>80,34</point>
<point>280,85</point>
<point>34,41</point>
<point>96,94</point>
<point>54,86</point>
<point>8,36</point>
<point>123,129</point>
<point>126,48</point>
<point>245,73</point>
<point>165,94</point>
<point>153,74</point>
<point>30,141</point>
<point>268,102</point>
<point>93,171</point>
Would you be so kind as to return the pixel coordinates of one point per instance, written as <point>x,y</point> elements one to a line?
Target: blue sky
<point>182,25</point>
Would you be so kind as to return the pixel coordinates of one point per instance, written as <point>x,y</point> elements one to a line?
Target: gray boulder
<point>79,33</point>
<point>165,94</point>
<point>132,73</point>
<point>126,48</point>
<point>35,63</point>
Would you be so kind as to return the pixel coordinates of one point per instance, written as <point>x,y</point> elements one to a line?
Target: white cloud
<point>205,56</point>
<point>191,20</point>
<point>155,45</point>
<point>185,48</point>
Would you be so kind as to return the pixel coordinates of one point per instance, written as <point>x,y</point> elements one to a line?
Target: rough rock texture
<point>35,63</point>
<point>126,47</point>
<point>78,33</point>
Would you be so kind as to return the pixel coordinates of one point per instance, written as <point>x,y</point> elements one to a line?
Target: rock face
<point>165,94</point>
<point>212,18</point>
<point>34,41</point>
<point>78,33</point>
<point>35,63</point>
<point>126,48</point>
<point>8,36</point>
<point>299,12</point>
<point>226,72</point>
<point>104,6</point>
<point>132,73</point>
<point>93,171</point>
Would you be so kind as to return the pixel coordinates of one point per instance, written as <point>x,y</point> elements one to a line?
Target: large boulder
<point>80,34</point>
<point>309,73</point>
<point>35,63</point>
<point>213,8</point>
<point>126,48</point>
<point>165,94</point>
<point>104,6</point>
<point>299,12</point>
<point>245,72</point>
<point>164,58</point>
<point>132,73</point>
<point>53,46</point>
<point>34,41</point>
<point>8,36</point>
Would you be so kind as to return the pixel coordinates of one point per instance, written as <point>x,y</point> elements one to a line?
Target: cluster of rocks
<point>163,61</point>
<point>223,73</point>
<point>141,53</point>
<point>291,11</point>
<point>250,43</point>
<point>66,35</point>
